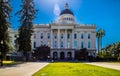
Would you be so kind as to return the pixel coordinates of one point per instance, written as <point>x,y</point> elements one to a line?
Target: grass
<point>75,69</point>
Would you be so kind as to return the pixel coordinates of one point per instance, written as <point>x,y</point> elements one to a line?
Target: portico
<point>62,38</point>
<point>62,54</point>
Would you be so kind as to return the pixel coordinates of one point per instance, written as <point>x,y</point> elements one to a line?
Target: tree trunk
<point>98,45</point>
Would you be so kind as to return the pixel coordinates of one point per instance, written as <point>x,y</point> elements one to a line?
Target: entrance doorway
<point>55,55</point>
<point>62,55</point>
<point>69,55</point>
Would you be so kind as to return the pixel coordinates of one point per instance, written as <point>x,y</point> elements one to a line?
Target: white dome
<point>66,18</point>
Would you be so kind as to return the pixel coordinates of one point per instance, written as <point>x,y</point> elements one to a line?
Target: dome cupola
<point>66,10</point>
<point>66,16</point>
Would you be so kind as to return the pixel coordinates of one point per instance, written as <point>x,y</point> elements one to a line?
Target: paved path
<point>106,64</point>
<point>25,69</point>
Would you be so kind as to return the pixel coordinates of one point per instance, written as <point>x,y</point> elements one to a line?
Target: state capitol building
<point>65,37</point>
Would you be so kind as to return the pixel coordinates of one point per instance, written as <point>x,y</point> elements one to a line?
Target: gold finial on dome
<point>66,6</point>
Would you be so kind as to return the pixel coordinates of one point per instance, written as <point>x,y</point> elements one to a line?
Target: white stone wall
<point>85,31</point>
<point>71,29</point>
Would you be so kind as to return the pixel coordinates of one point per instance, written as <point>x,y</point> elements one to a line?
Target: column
<point>65,38</point>
<point>58,55</point>
<point>58,38</point>
<point>72,39</point>
<point>73,54</point>
<point>65,55</point>
<point>51,36</point>
<point>51,54</point>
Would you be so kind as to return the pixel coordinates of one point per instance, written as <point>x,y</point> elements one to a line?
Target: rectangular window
<point>55,44</point>
<point>55,36</point>
<point>82,36</point>
<point>88,36</point>
<point>48,35</point>
<point>41,35</point>
<point>75,36</point>
<point>68,45</point>
<point>61,44</point>
<point>62,36</point>
<point>68,36</point>
<point>75,44</point>
<point>82,44</point>
<point>89,44</point>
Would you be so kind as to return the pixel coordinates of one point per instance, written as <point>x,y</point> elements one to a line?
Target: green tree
<point>118,51</point>
<point>27,15</point>
<point>5,10</point>
<point>112,51</point>
<point>100,33</point>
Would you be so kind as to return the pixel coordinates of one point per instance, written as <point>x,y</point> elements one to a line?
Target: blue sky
<point>104,13</point>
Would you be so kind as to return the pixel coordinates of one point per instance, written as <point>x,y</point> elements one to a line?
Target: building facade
<point>65,36</point>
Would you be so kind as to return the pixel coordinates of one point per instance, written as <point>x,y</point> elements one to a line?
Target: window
<point>82,36</point>
<point>68,45</point>
<point>55,36</point>
<point>88,36</point>
<point>48,35</point>
<point>67,18</point>
<point>61,44</point>
<point>68,36</point>
<point>89,44</point>
<point>55,44</point>
<point>41,35</point>
<point>48,43</point>
<point>62,36</point>
<point>82,44</point>
<point>75,36</point>
<point>75,44</point>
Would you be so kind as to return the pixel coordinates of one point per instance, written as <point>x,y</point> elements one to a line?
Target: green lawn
<point>75,69</point>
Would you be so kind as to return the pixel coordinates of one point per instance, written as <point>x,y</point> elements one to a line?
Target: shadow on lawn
<point>11,65</point>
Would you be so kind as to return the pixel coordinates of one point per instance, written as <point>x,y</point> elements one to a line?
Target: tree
<point>5,10</point>
<point>27,15</point>
<point>112,51</point>
<point>100,33</point>
<point>42,52</point>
